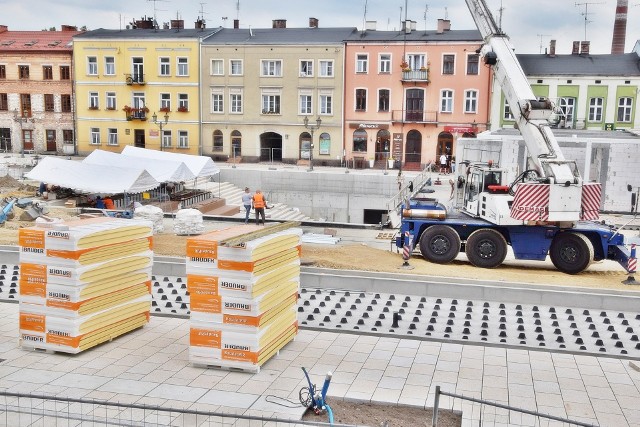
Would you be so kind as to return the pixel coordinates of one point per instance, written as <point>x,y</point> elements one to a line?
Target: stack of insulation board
<point>243,298</point>
<point>83,282</point>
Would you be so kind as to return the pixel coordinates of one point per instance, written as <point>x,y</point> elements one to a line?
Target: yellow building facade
<point>124,79</point>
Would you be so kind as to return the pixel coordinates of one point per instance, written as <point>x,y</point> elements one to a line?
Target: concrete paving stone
<point>595,380</point>
<point>172,392</point>
<point>632,416</point>
<point>519,378</point>
<point>444,377</point>
<point>627,402</point>
<point>80,381</point>
<point>604,393</point>
<point>401,361</point>
<point>6,370</point>
<point>378,364</point>
<point>546,387</point>
<point>609,419</point>
<point>521,390</point>
<point>518,355</point>
<point>397,371</point>
<point>362,386</point>
<point>448,366</point>
<point>369,375</point>
<point>228,399</point>
<point>469,373</point>
<point>430,347</point>
<point>381,354</point>
<point>495,371</point>
<point>613,366</point>
<point>605,406</point>
<point>517,367</point>
<point>338,390</point>
<point>349,366</point>
<point>393,383</point>
<point>419,379</point>
<point>361,348</point>
<point>364,396</point>
<point>415,391</point>
<point>538,375</point>
<point>343,377</point>
<point>625,390</point>
<point>571,384</point>
<point>406,352</point>
<point>386,395</point>
<point>571,373</point>
<point>173,380</point>
<point>557,411</point>
<point>35,376</point>
<point>387,344</point>
<point>549,399</point>
<point>495,394</point>
<point>119,385</point>
<point>469,385</point>
<point>495,360</point>
<point>366,340</point>
<point>592,370</point>
<point>618,378</point>
<point>579,410</point>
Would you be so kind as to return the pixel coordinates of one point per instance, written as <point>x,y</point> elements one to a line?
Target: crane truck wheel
<point>440,244</point>
<point>486,248</point>
<point>571,253</point>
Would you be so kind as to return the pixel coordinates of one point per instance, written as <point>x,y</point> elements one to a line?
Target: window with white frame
<point>416,61</point>
<point>217,101</point>
<point>235,99</point>
<point>166,138</point>
<point>94,137</point>
<point>305,103</point>
<point>625,106</point>
<point>109,66</point>
<point>165,66</point>
<point>326,68</point>
<point>471,101</point>
<point>472,63</point>
<point>217,67</point>
<point>568,107</point>
<point>362,63</point>
<point>183,139</point>
<point>506,112</point>
<point>383,100</point>
<point>448,64</point>
<point>92,65</point>
<point>93,100</point>
<point>384,63</point>
<point>183,102</point>
<point>271,68</point>
<point>112,136</point>
<point>446,101</point>
<point>270,103</point>
<point>306,68</point>
<point>218,140</point>
<point>183,67</point>
<point>165,101</point>
<point>235,67</point>
<point>111,100</point>
<point>326,104</point>
<point>361,100</point>
<point>595,109</point>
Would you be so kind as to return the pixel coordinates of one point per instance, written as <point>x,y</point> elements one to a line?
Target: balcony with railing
<point>136,113</point>
<point>414,116</point>
<point>415,76</point>
<point>134,79</point>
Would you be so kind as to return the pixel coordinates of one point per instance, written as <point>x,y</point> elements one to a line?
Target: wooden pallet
<point>385,236</point>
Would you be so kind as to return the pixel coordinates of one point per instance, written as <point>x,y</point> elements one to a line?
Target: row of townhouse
<point>384,97</point>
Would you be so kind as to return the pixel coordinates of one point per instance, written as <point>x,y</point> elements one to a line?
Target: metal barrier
<point>19,409</point>
<point>477,416</point>
<point>405,192</point>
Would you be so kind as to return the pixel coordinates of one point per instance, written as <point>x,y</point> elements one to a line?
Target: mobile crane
<point>547,209</point>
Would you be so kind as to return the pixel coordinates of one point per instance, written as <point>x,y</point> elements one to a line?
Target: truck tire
<point>486,248</point>
<point>571,253</point>
<point>440,244</point>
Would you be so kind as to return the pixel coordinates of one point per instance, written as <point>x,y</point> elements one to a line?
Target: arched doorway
<point>413,149</point>
<point>383,144</point>
<point>445,146</point>
<point>236,144</point>
<point>270,147</point>
<point>304,146</point>
<point>218,141</point>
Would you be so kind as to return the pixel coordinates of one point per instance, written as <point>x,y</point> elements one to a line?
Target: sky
<point>529,23</point>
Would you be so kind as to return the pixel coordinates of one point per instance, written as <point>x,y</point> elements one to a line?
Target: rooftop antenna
<point>155,20</point>
<point>426,9</point>
<point>400,17</point>
<point>446,13</point>
<point>586,14</point>
<point>202,13</point>
<point>238,9</point>
<point>541,36</point>
<point>364,17</point>
<point>224,20</point>
<point>500,13</point>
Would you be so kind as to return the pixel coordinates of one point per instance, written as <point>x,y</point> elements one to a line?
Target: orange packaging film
<point>205,338</point>
<point>206,302</point>
<point>32,322</point>
<point>32,238</point>
<point>196,282</point>
<point>202,248</point>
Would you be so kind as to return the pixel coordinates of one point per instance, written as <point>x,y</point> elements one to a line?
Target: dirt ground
<point>345,412</point>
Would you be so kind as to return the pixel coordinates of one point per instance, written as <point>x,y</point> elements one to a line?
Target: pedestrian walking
<point>259,204</point>
<point>443,163</point>
<point>247,198</point>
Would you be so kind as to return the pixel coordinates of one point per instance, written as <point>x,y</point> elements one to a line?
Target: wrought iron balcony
<point>134,79</point>
<point>414,116</point>
<point>415,76</point>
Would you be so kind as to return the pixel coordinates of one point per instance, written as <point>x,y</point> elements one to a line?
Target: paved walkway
<point>151,366</point>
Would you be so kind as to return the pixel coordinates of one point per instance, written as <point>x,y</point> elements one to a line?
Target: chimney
<point>3,28</point>
<point>576,48</point>
<point>443,25</point>
<point>370,25</point>
<point>145,24</point>
<point>279,23</point>
<point>406,27</point>
<point>620,27</point>
<point>177,24</point>
<point>68,28</point>
<point>552,48</point>
<point>584,48</point>
<point>200,24</point>
<point>236,24</point>
<point>313,23</point>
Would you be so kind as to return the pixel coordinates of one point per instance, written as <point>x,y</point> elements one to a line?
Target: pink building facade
<point>410,95</point>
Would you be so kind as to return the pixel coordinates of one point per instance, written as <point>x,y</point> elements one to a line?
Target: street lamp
<point>22,120</point>
<point>160,124</point>
<point>312,129</point>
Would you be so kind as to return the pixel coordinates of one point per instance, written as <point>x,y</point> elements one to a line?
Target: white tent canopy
<point>160,170</point>
<point>92,178</point>
<point>199,165</point>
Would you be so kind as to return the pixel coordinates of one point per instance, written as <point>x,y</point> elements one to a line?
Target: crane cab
<point>486,194</point>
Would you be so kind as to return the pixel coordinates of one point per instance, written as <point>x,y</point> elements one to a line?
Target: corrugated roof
<point>36,40</point>
<point>279,36</point>
<point>627,64</point>
<point>140,33</point>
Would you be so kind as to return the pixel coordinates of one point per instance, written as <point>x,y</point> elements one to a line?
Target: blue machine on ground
<point>311,397</point>
<point>6,210</point>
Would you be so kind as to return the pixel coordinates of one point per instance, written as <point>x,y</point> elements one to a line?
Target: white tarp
<point>160,170</point>
<point>199,165</point>
<point>88,178</point>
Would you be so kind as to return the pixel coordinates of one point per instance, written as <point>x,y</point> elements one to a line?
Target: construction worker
<point>108,203</point>
<point>259,204</point>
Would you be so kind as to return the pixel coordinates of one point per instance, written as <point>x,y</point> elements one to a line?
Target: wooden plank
<point>267,230</point>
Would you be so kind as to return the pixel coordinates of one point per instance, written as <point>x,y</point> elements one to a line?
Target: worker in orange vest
<point>108,203</point>
<point>259,204</point>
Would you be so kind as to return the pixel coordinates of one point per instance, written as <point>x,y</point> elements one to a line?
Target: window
<point>112,137</point>
<point>595,109</point>
<point>183,102</point>
<point>25,105</point>
<point>385,63</point>
<point>65,72</point>
<point>272,68</point>
<point>471,101</point>
<point>625,104</point>
<point>326,68</point>
<point>48,102</point>
<point>217,67</point>
<point>165,67</point>
<point>448,62</point>
<point>218,142</point>
<point>383,100</point>
<point>109,66</point>
<point>306,68</point>
<point>360,140</point>
<point>326,104</point>
<point>165,102</point>
<point>361,100</point>
<point>236,102</point>
<point>567,106</point>
<point>325,143</point>
<point>446,101</point>
<point>183,67</point>
<point>47,72</point>
<point>111,101</point>
<point>4,102</point>
<point>93,100</point>
<point>94,138</point>
<point>166,138</point>
<point>183,139</point>
<point>23,71</point>
<point>506,113</point>
<point>362,61</point>
<point>305,104</point>
<point>217,103</point>
<point>65,103</point>
<point>416,61</point>
<point>270,104</point>
<point>67,136</point>
<point>3,71</point>
<point>472,63</point>
<point>92,66</point>
<point>236,67</point>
